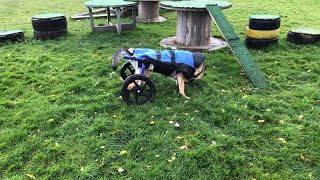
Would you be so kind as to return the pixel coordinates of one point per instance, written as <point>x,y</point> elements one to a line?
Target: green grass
<point>61,116</point>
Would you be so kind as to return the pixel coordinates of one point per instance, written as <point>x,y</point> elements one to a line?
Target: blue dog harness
<point>170,62</point>
<point>176,56</point>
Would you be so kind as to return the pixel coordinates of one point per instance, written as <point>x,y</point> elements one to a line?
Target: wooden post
<point>193,28</point>
<point>148,10</point>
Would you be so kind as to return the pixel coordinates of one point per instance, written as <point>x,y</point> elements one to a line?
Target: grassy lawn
<point>61,116</point>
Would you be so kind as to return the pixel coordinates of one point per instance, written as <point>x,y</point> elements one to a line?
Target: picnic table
<point>193,29</point>
<point>117,4</point>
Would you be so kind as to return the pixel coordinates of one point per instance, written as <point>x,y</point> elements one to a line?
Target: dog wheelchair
<point>136,88</point>
<point>140,89</point>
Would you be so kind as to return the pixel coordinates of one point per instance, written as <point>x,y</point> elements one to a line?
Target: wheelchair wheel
<point>126,70</point>
<point>138,89</point>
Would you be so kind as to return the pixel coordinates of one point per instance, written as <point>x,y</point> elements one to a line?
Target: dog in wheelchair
<point>178,64</point>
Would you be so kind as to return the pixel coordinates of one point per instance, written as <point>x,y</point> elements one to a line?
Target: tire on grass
<point>303,35</point>
<point>264,22</point>
<point>50,24</point>
<point>262,34</point>
<point>259,43</point>
<point>50,34</point>
<point>11,35</point>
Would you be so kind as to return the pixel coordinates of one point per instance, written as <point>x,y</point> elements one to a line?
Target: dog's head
<point>199,72</point>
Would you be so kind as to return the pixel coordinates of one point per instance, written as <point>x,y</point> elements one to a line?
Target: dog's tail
<point>116,57</point>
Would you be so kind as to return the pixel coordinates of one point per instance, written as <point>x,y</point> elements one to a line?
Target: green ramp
<point>251,69</point>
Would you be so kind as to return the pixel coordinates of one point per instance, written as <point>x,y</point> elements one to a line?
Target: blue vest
<point>176,56</point>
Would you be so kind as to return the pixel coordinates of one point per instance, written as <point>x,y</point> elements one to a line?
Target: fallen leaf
<point>213,143</point>
<point>173,157</point>
<point>261,121</point>
<point>50,120</point>
<point>223,110</point>
<point>300,117</point>
<point>31,176</point>
<point>120,170</point>
<point>122,152</point>
<point>82,168</point>
<point>266,174</point>
<point>151,122</point>
<point>184,147</point>
<point>302,157</point>
<point>282,140</point>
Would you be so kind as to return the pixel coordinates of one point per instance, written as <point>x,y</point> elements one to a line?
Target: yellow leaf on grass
<point>302,157</point>
<point>82,168</point>
<point>261,121</point>
<point>173,157</point>
<point>178,137</point>
<point>300,117</point>
<point>122,152</point>
<point>152,122</point>
<point>120,170</point>
<point>282,140</point>
<point>50,120</point>
<point>184,147</point>
<point>31,176</point>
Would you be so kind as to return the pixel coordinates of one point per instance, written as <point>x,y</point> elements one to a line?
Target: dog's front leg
<point>180,79</point>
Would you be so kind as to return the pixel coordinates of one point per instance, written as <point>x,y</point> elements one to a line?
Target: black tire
<point>138,94</point>
<point>50,24</point>
<point>300,38</point>
<point>264,22</point>
<point>14,36</point>
<point>259,43</point>
<point>126,70</point>
<point>50,34</point>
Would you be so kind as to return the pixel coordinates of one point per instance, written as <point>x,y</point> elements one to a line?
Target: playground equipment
<point>251,69</point>
<point>118,27</point>
<point>49,26</point>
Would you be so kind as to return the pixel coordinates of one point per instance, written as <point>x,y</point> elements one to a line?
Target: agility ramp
<point>251,69</point>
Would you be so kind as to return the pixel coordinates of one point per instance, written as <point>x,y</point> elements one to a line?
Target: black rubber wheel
<point>126,70</point>
<point>264,22</point>
<point>300,38</point>
<point>259,43</point>
<point>134,94</point>
<point>50,34</point>
<point>11,36</point>
<point>50,24</point>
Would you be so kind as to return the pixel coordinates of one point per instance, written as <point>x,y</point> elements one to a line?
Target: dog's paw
<point>186,97</point>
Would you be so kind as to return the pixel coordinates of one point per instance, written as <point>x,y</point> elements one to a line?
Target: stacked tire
<point>49,26</point>
<point>11,35</point>
<point>263,30</point>
<point>303,35</point>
